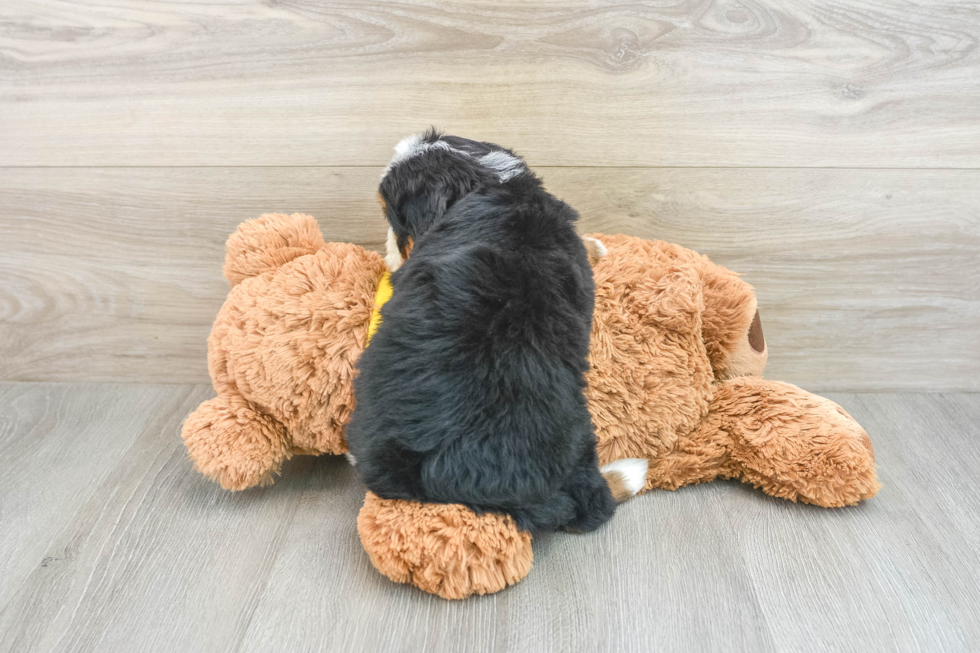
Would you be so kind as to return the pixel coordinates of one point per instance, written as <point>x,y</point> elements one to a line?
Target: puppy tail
<point>626,477</point>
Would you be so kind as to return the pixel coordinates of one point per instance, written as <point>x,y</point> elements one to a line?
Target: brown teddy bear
<point>677,351</point>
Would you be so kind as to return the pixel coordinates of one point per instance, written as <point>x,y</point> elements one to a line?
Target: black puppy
<point>471,391</point>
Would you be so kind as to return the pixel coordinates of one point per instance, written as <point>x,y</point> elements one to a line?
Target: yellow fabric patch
<point>383,295</point>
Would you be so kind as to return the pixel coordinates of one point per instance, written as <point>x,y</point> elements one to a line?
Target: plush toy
<point>677,351</point>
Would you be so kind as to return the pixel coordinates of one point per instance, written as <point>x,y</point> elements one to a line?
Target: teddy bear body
<point>676,356</point>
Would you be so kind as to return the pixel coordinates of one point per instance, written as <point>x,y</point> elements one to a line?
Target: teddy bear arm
<point>790,443</point>
<point>233,443</point>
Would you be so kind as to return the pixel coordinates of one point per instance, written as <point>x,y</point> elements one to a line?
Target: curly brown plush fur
<point>674,378</point>
<point>283,350</point>
<point>445,549</point>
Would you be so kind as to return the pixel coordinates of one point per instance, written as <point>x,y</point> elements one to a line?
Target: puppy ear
<point>422,211</point>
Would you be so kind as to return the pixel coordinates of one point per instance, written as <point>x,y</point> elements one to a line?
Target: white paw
<point>595,247</point>
<point>633,471</point>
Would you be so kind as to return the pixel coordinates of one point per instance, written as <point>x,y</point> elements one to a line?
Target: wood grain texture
<point>885,560</point>
<point>866,279</point>
<point>59,444</point>
<point>680,83</point>
<point>155,558</point>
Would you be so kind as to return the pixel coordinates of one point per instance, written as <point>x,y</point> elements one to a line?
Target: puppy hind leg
<point>593,497</point>
<point>547,516</point>
<point>583,503</point>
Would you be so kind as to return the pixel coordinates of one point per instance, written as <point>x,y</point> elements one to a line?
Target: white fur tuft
<point>505,165</point>
<point>393,258</point>
<point>351,459</point>
<point>634,470</point>
<point>407,148</point>
<point>407,145</point>
<point>595,246</point>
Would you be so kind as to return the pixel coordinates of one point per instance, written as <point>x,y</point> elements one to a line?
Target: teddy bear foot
<point>795,445</point>
<point>443,549</point>
<point>233,444</point>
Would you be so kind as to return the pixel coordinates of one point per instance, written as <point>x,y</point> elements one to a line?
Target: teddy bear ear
<point>268,243</point>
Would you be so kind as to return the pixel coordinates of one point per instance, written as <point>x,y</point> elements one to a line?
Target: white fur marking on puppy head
<point>505,165</point>
<point>393,257</point>
<point>634,470</point>
<point>407,145</point>
<point>351,459</point>
<point>406,148</point>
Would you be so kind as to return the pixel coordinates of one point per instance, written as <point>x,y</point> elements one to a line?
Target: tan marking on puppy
<point>408,248</point>
<point>625,477</point>
<point>618,486</point>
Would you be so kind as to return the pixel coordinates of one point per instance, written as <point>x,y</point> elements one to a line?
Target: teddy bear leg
<point>233,444</point>
<point>443,549</point>
<point>699,457</point>
<point>793,444</point>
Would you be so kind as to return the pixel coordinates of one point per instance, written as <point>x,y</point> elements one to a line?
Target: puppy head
<point>428,174</point>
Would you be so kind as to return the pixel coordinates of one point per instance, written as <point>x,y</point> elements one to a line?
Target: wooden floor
<point>111,542</point>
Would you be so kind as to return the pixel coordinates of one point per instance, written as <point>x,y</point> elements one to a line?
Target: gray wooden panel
<point>155,558</point>
<point>662,571</point>
<point>902,567</point>
<point>58,445</point>
<point>768,83</point>
<point>864,277</point>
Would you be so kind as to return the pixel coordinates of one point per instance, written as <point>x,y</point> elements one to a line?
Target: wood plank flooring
<point>110,541</point>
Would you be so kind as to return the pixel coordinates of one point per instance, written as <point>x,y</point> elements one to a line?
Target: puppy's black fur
<point>471,390</point>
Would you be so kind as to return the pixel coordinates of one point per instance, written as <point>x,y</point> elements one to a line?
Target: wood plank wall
<point>828,151</point>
